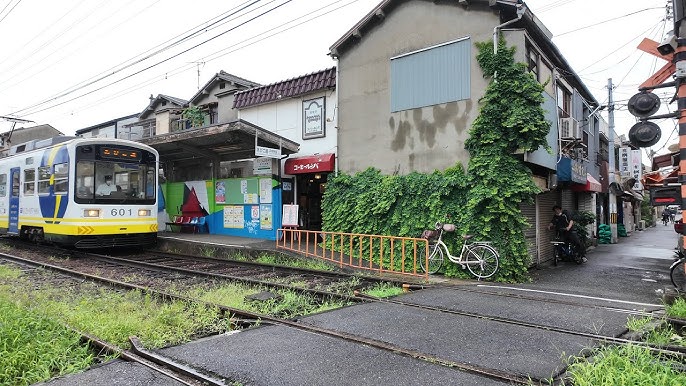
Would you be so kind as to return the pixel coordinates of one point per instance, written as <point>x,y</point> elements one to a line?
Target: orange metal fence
<point>391,254</point>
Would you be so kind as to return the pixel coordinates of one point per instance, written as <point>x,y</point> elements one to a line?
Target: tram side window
<point>150,184</point>
<point>61,178</point>
<point>29,182</point>
<point>44,180</point>
<point>3,185</point>
<point>84,179</point>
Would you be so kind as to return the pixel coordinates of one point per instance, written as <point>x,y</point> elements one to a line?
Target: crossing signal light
<point>644,133</point>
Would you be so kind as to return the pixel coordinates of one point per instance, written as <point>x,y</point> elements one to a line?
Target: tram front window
<point>121,182</point>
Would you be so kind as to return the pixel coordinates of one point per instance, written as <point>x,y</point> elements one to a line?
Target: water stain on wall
<point>442,116</point>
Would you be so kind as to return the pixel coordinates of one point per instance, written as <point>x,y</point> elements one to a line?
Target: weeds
<point>384,290</point>
<point>677,309</point>
<point>625,365</point>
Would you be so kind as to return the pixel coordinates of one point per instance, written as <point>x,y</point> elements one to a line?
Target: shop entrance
<point>310,191</point>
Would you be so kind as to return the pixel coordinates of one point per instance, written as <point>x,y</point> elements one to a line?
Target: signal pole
<point>680,72</point>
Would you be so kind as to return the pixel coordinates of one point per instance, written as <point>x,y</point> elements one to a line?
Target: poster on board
<point>290,216</point>
<point>266,221</point>
<point>233,216</point>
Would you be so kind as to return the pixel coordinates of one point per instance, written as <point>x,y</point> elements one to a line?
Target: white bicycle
<point>479,257</point>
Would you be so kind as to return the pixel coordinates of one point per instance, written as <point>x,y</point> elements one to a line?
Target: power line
<point>139,71</point>
<point>607,21</point>
<point>189,66</point>
<point>10,11</point>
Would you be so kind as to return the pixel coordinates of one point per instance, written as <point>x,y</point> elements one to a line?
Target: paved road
<point>593,298</point>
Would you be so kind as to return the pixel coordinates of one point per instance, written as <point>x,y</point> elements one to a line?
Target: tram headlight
<point>91,213</point>
<point>143,212</point>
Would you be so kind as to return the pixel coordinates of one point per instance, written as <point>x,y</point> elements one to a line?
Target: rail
<point>383,254</point>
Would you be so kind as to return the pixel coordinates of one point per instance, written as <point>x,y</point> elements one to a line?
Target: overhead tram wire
<point>62,32</point>
<point>122,66</point>
<point>139,71</point>
<point>85,84</point>
<point>189,66</point>
<point>10,11</point>
<point>45,29</point>
<point>607,21</point>
<point>65,54</point>
<point>648,32</point>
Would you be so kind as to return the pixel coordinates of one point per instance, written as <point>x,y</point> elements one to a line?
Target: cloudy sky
<point>76,63</point>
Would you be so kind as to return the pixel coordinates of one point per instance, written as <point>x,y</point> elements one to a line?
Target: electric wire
<point>139,71</point>
<point>157,49</point>
<point>606,21</point>
<point>10,11</point>
<point>189,66</point>
<point>44,30</point>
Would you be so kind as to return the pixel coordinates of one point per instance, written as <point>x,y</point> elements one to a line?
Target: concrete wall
<point>162,123</point>
<point>421,139</point>
<point>226,112</point>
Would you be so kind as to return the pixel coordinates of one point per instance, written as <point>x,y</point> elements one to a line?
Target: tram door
<point>14,202</point>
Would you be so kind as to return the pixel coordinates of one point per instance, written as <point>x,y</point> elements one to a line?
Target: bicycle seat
<point>467,237</point>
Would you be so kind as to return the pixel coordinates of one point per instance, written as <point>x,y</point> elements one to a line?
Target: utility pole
<point>611,155</point>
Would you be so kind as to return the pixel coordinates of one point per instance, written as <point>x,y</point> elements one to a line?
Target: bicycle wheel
<point>677,275</point>
<point>556,256</point>
<point>435,259</point>
<point>482,260</point>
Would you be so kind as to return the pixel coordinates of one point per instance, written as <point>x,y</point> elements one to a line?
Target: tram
<point>80,192</point>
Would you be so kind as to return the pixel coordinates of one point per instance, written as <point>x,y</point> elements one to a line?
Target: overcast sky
<point>77,63</point>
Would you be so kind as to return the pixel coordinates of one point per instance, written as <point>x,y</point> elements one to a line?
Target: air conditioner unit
<point>569,128</point>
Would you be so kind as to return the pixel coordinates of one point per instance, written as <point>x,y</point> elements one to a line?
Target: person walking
<point>563,223</point>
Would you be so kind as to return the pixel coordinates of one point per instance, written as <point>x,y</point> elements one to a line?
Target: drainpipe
<point>520,13</point>
<point>335,117</point>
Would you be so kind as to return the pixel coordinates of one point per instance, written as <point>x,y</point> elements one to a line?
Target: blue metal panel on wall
<point>541,156</point>
<point>569,170</point>
<point>431,76</point>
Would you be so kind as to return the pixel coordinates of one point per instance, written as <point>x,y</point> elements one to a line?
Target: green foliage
<point>195,115</point>
<point>35,349</point>
<point>625,365</point>
<point>647,213</point>
<point>483,201</point>
<point>581,220</point>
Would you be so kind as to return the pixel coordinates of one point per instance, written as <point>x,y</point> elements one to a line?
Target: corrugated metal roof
<point>320,80</point>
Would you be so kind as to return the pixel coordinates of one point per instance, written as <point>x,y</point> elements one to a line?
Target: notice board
<point>238,191</point>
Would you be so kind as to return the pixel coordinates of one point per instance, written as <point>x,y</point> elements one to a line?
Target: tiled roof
<point>320,80</point>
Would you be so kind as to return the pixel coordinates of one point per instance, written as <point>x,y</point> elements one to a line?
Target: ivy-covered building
<point>409,91</point>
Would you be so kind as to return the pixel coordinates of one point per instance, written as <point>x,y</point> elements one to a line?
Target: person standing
<point>563,223</point>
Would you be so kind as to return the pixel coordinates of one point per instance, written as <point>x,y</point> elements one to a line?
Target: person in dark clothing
<point>563,223</point>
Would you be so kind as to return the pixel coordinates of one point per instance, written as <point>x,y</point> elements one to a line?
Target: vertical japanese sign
<point>624,167</point>
<point>636,168</point>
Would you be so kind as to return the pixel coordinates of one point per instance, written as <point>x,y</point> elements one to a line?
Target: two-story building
<point>302,109</point>
<point>409,88</point>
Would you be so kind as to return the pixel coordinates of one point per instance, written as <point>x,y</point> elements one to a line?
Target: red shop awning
<point>592,185</point>
<point>319,163</point>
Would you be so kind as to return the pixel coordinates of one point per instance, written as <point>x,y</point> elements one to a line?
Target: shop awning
<point>592,185</point>
<point>319,163</point>
<point>630,195</point>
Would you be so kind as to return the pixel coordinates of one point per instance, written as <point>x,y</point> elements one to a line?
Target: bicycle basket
<point>429,234</point>
<point>449,227</point>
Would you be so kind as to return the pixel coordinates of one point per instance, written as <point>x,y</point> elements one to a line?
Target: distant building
<point>27,134</point>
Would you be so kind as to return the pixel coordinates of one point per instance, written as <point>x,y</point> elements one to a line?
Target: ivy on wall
<point>484,200</point>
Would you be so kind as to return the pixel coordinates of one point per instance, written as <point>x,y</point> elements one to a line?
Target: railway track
<point>246,317</point>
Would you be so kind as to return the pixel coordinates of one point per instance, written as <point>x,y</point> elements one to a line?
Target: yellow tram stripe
<point>58,199</point>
